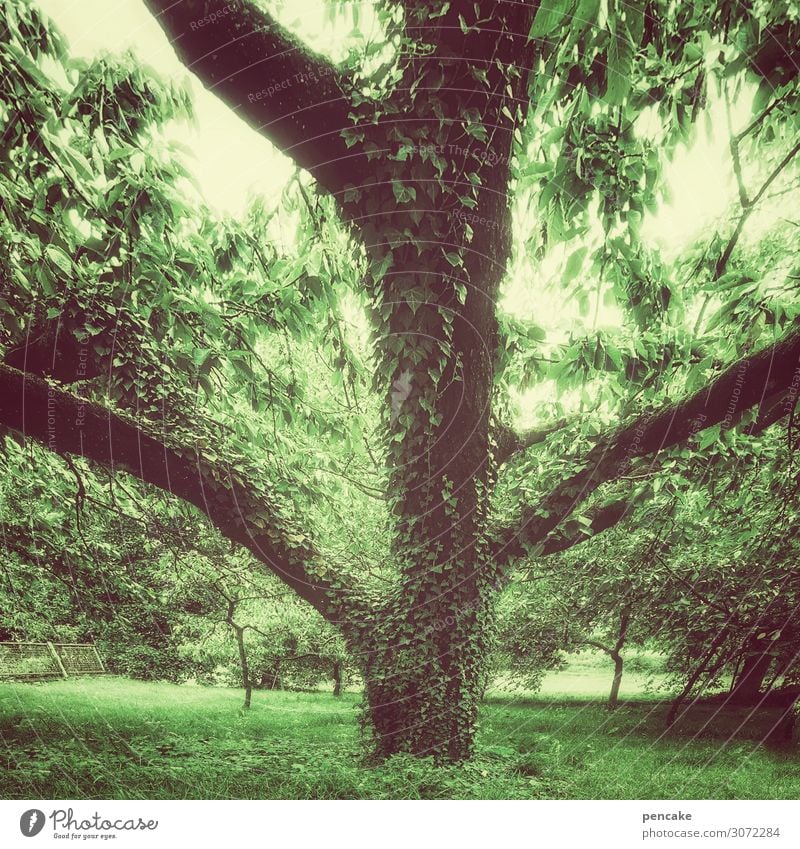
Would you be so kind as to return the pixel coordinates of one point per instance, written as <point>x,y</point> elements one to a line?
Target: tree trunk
<point>424,688</point>
<point>747,684</point>
<point>271,678</point>
<point>616,656</point>
<point>613,696</point>
<point>337,678</point>
<point>246,682</point>
<point>438,236</point>
<point>425,716</point>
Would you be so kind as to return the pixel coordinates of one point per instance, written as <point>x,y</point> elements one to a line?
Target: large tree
<point>476,104</point>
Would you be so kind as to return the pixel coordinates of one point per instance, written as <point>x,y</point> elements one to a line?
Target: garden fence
<point>41,660</point>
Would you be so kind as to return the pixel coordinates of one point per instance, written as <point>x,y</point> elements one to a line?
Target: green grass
<point>116,738</point>
<point>588,675</point>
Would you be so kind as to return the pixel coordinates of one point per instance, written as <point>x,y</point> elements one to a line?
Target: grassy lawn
<point>115,738</point>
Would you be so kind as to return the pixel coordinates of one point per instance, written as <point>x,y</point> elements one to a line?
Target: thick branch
<point>775,408</point>
<point>509,442</point>
<point>601,520</point>
<point>287,93</point>
<point>50,351</point>
<point>771,410</point>
<point>741,386</point>
<point>67,424</point>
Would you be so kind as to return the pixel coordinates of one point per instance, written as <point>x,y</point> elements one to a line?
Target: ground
<point>100,738</point>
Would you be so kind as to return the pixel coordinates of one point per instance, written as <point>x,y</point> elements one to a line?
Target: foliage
<point>121,565</point>
<point>97,574</point>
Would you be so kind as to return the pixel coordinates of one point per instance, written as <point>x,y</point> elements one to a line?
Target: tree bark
<point>747,685</point>
<point>292,96</point>
<point>613,696</point>
<point>246,682</point>
<point>337,678</point>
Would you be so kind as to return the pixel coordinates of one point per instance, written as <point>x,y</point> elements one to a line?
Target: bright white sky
<point>232,161</point>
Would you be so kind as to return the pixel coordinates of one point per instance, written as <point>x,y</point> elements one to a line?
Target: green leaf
<point>708,437</point>
<point>548,16</point>
<point>477,131</point>
<point>403,193</point>
<point>574,264</point>
<point>59,258</point>
<point>620,58</point>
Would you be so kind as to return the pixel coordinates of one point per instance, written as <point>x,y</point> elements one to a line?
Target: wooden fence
<point>44,660</point>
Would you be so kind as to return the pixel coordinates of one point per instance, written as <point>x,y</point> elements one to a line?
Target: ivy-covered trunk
<point>424,684</point>
<point>437,227</point>
<point>428,644</point>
